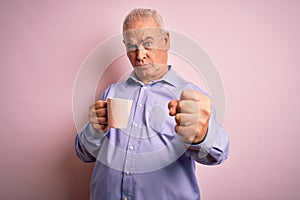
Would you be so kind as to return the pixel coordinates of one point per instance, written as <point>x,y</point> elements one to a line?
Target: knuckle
<point>189,94</point>
<point>102,120</point>
<point>176,128</point>
<point>185,94</point>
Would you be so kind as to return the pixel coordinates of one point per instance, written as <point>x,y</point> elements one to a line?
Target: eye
<point>147,44</point>
<point>131,47</point>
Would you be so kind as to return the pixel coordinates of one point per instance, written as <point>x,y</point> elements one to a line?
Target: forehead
<point>140,28</point>
<point>140,22</point>
<point>142,33</point>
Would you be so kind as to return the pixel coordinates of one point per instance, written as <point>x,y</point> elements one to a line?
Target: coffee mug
<point>118,112</point>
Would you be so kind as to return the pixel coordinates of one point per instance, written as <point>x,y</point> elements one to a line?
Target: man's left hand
<point>192,113</point>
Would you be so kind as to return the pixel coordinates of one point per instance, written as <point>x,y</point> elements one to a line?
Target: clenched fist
<point>98,116</point>
<point>192,113</point>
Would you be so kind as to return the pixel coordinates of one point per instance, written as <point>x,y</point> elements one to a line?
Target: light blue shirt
<point>148,160</point>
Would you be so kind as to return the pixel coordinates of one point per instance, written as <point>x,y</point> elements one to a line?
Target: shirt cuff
<point>203,148</point>
<point>91,139</point>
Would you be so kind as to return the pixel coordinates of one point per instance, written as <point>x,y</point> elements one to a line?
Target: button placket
<point>131,147</point>
<point>139,106</point>
<point>129,167</point>
<point>127,178</point>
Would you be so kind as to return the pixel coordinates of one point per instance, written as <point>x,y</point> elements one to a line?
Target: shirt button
<point>125,198</point>
<point>131,147</point>
<point>140,104</point>
<point>135,124</point>
<point>127,173</point>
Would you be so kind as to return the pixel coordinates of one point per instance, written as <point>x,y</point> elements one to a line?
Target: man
<point>172,125</point>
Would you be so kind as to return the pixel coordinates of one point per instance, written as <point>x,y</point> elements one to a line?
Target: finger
<point>100,128</point>
<point>183,119</point>
<point>93,120</point>
<point>101,112</point>
<point>196,96</point>
<point>92,112</point>
<point>102,120</point>
<point>98,120</point>
<point>189,95</point>
<point>188,106</point>
<point>92,107</point>
<point>187,133</point>
<point>100,104</point>
<point>173,107</point>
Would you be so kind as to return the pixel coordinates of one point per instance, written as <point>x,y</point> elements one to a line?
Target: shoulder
<point>122,89</point>
<point>184,84</point>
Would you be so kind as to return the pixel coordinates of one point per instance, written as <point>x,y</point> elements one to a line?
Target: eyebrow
<point>147,38</point>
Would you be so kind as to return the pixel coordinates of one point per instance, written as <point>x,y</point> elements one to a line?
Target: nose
<point>141,54</point>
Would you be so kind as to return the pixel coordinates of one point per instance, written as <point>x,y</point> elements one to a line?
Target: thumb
<point>173,107</point>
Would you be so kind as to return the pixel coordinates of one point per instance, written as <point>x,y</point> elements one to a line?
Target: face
<point>147,49</point>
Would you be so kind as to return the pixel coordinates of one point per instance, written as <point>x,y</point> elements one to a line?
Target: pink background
<point>254,45</point>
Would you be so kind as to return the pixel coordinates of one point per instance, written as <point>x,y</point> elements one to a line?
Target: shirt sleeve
<point>215,147</point>
<point>87,143</point>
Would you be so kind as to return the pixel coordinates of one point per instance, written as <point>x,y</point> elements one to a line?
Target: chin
<point>143,73</point>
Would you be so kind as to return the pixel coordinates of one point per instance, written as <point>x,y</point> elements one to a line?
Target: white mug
<point>118,112</point>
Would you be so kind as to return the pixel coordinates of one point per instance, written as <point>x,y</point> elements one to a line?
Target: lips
<point>138,64</point>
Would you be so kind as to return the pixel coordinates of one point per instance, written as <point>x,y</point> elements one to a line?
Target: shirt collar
<point>170,78</point>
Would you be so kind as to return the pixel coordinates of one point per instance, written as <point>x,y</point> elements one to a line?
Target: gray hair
<point>143,12</point>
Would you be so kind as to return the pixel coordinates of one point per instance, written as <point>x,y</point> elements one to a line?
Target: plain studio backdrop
<point>253,44</point>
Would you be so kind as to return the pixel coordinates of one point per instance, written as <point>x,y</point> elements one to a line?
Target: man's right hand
<point>98,116</point>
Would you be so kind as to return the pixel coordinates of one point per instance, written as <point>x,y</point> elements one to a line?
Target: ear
<point>167,40</point>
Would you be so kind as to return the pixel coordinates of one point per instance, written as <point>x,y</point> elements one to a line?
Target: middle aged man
<point>172,125</point>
